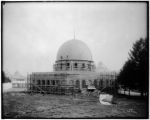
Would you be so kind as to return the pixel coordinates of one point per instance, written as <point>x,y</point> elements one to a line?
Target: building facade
<point>73,68</point>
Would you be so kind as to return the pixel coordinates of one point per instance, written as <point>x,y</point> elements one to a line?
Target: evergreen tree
<point>134,74</point>
<point>5,79</point>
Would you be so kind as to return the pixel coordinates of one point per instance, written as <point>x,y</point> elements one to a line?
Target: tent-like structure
<point>18,81</point>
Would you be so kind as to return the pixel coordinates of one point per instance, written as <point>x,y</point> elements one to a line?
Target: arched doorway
<point>77,84</point>
<point>83,84</point>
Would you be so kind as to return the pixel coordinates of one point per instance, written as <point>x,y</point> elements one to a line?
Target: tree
<point>126,77</point>
<point>134,74</point>
<point>5,79</point>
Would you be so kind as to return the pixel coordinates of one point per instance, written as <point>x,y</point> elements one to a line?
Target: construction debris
<point>106,99</point>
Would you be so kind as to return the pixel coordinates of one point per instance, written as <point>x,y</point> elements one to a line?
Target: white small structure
<point>7,87</point>
<point>105,99</point>
<point>18,81</point>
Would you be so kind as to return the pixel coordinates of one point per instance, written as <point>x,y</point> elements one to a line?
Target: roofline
<point>73,60</point>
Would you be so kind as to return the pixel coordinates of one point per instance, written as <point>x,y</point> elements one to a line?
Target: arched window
<point>83,65</point>
<point>68,64</point>
<point>43,82</point>
<point>53,82</point>
<point>75,64</point>
<point>83,84</point>
<point>38,82</point>
<point>48,82</point>
<point>77,83</point>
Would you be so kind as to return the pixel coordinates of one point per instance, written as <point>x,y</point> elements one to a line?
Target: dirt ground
<point>21,105</point>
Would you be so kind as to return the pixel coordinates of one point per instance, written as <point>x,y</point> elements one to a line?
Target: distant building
<point>19,81</point>
<point>74,66</point>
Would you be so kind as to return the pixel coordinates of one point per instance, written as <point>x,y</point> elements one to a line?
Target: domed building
<point>73,69</point>
<point>74,55</point>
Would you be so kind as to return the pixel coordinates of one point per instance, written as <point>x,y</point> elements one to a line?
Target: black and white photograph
<point>75,60</point>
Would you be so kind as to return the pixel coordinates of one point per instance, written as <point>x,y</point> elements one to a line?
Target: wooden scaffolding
<point>61,89</point>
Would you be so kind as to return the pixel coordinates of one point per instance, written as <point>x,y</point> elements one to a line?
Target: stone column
<point>72,66</point>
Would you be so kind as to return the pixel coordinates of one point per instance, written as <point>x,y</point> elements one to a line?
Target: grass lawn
<point>21,105</point>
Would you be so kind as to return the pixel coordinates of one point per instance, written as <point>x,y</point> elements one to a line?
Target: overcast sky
<point>33,32</point>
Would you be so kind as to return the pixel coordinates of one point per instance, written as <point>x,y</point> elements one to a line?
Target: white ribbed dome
<point>74,50</point>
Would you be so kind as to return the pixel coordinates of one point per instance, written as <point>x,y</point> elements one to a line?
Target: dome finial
<point>74,33</point>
